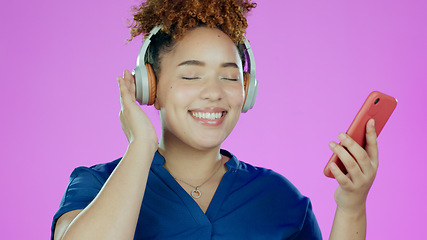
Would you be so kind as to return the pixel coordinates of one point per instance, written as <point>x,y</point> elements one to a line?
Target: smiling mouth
<point>208,115</point>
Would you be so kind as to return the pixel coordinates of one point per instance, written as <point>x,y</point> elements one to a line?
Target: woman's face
<point>200,89</point>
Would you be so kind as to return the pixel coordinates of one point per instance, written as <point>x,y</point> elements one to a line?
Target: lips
<point>209,116</point>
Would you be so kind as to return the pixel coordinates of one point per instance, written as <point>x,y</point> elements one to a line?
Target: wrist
<point>142,151</point>
<point>145,145</point>
<point>353,212</point>
<point>349,223</point>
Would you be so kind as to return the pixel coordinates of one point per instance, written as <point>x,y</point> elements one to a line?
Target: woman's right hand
<point>135,123</point>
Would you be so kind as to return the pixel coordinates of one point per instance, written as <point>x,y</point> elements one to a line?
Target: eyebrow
<point>202,64</point>
<point>229,64</point>
<point>192,62</point>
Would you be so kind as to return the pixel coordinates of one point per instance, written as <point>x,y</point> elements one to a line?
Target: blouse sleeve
<point>83,187</point>
<point>310,228</point>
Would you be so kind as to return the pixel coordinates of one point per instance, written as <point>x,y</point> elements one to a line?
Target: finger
<point>352,146</point>
<point>371,146</point>
<point>341,178</point>
<point>347,159</point>
<point>358,153</point>
<point>130,80</point>
<point>125,97</point>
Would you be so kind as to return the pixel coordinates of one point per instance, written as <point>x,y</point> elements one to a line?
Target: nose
<point>212,90</point>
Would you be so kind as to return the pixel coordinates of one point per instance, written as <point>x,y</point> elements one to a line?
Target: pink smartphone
<point>378,106</point>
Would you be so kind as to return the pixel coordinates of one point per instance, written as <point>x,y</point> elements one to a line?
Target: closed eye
<point>230,79</point>
<point>190,78</point>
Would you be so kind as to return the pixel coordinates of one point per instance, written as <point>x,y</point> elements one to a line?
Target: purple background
<point>316,63</point>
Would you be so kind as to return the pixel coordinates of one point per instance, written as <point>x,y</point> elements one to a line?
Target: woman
<point>184,186</point>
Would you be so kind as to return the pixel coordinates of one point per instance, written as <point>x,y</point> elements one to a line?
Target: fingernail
<point>332,145</point>
<point>373,122</point>
<point>342,136</point>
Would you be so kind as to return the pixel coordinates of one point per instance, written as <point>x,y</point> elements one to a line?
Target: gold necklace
<point>196,193</point>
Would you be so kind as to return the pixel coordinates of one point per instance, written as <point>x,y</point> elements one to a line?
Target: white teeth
<point>208,116</point>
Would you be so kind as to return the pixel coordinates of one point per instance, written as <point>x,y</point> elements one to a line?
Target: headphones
<point>145,80</point>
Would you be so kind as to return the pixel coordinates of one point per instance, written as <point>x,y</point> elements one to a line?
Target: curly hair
<point>177,16</point>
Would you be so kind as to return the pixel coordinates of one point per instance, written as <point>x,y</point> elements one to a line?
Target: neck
<point>186,162</point>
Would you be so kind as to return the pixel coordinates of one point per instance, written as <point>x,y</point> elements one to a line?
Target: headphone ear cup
<point>246,85</point>
<point>151,78</point>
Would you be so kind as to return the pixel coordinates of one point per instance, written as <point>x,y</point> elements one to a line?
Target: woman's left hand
<point>361,165</point>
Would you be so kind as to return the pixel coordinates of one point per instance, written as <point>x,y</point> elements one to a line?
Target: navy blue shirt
<point>250,203</point>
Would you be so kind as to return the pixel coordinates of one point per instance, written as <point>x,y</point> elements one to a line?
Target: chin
<point>208,143</point>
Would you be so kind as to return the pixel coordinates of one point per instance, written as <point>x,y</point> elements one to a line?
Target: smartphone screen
<point>378,106</point>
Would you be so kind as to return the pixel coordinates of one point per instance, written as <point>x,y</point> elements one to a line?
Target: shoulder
<point>259,178</point>
<point>99,172</point>
<point>84,185</point>
<point>267,177</point>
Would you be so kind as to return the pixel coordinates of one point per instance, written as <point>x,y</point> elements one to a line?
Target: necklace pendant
<point>196,193</point>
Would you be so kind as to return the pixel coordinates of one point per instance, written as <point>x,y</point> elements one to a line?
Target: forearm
<point>349,224</point>
<point>113,214</point>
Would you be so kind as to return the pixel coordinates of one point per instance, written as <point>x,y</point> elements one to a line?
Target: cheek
<point>184,94</point>
<point>172,94</point>
<point>236,96</point>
